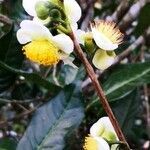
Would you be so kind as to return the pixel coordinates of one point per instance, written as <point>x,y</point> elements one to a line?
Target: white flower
<point>41,46</point>
<point>106,35</point>
<point>95,143</point>
<point>103,128</point>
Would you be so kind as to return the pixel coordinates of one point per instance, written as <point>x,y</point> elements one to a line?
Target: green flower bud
<point>89,44</point>
<point>55,13</point>
<point>42,9</point>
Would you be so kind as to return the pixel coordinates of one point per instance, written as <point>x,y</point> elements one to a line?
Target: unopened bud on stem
<point>55,13</point>
<point>42,9</point>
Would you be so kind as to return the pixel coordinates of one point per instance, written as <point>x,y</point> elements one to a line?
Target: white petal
<point>96,130</point>
<point>102,60</point>
<point>105,121</point>
<point>102,41</point>
<point>73,10</point>
<point>44,22</point>
<point>114,146</point>
<point>23,37</point>
<point>31,30</point>
<point>64,43</point>
<point>102,124</point>
<point>80,35</point>
<point>102,144</point>
<point>29,6</point>
<point>74,26</point>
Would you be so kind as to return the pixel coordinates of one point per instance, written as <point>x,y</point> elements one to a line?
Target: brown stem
<point>5,20</point>
<point>132,14</point>
<point>25,113</point>
<point>99,90</point>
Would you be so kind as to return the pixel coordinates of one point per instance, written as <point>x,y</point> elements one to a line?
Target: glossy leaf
<point>67,74</point>
<point>7,144</point>
<point>126,110</point>
<point>10,54</point>
<point>122,82</point>
<point>54,121</point>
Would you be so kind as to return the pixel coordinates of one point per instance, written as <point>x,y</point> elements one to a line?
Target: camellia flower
<point>107,37</point>
<point>95,143</point>
<point>41,46</point>
<point>101,132</point>
<point>103,128</point>
<point>71,9</point>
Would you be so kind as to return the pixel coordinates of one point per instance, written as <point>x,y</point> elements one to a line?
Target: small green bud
<point>89,44</point>
<point>42,9</point>
<point>55,13</point>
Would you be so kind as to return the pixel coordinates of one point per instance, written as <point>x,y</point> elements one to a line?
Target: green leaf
<point>10,49</point>
<point>126,111</point>
<point>67,74</point>
<point>54,121</point>
<point>8,144</point>
<point>124,81</point>
<point>32,77</point>
<point>10,54</point>
<point>5,42</point>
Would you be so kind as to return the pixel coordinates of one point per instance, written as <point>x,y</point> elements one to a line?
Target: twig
<point>87,14</point>
<point>99,90</point>
<point>132,47</point>
<point>5,20</point>
<point>146,97</point>
<point>120,11</point>
<point>25,113</point>
<point>132,14</point>
<point>16,101</point>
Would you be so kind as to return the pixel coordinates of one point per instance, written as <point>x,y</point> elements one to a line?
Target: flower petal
<point>73,10</point>
<point>102,41</point>
<point>29,6</point>
<point>96,130</point>
<point>102,144</point>
<point>80,35</point>
<point>31,30</point>
<point>74,26</point>
<point>105,121</point>
<point>102,60</point>
<point>64,43</point>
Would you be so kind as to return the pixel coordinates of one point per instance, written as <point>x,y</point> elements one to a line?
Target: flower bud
<point>89,45</point>
<point>55,13</point>
<point>42,9</point>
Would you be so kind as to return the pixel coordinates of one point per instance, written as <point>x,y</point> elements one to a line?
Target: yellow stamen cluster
<point>109,30</point>
<point>42,51</point>
<point>90,144</point>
